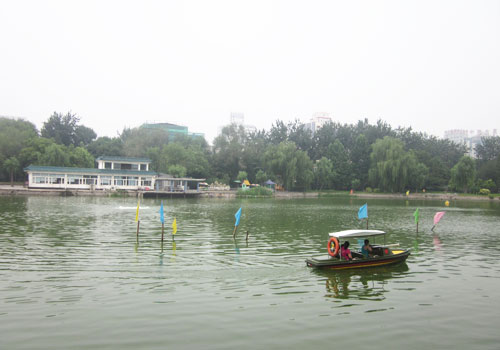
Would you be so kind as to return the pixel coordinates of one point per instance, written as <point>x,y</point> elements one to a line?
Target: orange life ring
<point>337,246</point>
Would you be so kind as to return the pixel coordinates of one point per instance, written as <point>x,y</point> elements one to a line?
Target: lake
<point>72,275</point>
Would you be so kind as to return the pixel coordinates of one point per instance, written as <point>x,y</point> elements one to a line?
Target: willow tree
<point>292,166</point>
<point>463,174</point>
<point>392,168</point>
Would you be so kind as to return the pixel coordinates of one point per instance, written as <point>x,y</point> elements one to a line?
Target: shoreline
<point>17,190</point>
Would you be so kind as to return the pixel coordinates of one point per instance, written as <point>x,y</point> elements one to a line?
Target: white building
<point>470,139</point>
<point>317,121</point>
<point>112,173</point>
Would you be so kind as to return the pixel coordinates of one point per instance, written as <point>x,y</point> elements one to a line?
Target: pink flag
<point>438,216</point>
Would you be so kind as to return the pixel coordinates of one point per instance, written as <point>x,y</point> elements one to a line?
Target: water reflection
<point>366,284</point>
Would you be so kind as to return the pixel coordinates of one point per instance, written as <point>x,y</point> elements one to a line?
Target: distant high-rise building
<point>318,120</point>
<point>171,129</point>
<point>239,119</point>
<point>470,139</point>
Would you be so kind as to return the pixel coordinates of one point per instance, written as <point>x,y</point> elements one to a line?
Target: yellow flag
<point>407,193</point>
<point>137,211</point>
<point>174,226</point>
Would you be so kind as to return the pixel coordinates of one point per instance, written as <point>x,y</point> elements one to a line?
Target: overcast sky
<point>432,65</point>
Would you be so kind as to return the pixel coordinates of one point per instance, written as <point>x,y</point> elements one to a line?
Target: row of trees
<point>337,156</point>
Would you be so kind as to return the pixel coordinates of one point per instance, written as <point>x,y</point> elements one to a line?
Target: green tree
<point>324,173</point>
<point>242,176</point>
<point>106,146</point>
<point>260,177</point>
<point>292,167</point>
<point>11,165</point>
<point>79,157</point>
<point>463,174</point>
<point>15,134</point>
<point>177,170</point>
<point>360,161</point>
<point>64,130</point>
<point>54,155</point>
<point>83,135</point>
<point>137,141</point>
<point>488,149</point>
<point>228,151</point>
<point>341,164</point>
<point>391,166</point>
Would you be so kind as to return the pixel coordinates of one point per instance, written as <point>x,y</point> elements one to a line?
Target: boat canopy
<point>356,233</point>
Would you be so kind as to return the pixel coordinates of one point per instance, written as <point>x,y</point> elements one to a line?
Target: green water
<point>73,277</point>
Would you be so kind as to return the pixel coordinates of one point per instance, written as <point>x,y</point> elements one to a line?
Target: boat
<point>381,254</point>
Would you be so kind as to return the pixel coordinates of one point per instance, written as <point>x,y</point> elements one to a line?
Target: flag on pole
<point>237,216</point>
<point>363,212</point>
<point>137,211</point>
<point>174,226</point>
<point>438,217</point>
<point>415,214</point>
<point>162,217</point>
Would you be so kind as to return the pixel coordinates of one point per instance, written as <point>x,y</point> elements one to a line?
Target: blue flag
<point>237,216</point>
<point>162,218</point>
<point>363,212</point>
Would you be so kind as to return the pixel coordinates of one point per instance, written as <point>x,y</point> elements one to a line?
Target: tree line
<point>360,156</point>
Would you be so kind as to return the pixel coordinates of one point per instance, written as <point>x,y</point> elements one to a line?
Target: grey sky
<point>432,65</point>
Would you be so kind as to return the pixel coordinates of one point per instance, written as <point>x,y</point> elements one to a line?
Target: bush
<point>255,192</point>
<point>369,190</point>
<point>484,191</point>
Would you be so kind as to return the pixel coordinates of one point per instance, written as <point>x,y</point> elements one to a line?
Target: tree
<point>391,166</point>
<point>228,151</point>
<point>242,176</point>
<point>463,174</point>
<point>137,141</point>
<point>15,134</point>
<point>260,177</point>
<point>54,155</point>
<point>106,146</point>
<point>177,170</point>
<point>11,165</point>
<point>83,135</point>
<point>488,149</point>
<point>290,166</point>
<point>79,157</point>
<point>324,173</point>
<point>341,164</point>
<point>61,128</point>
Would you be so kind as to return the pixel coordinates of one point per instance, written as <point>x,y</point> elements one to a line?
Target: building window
<point>56,179</point>
<point>146,181</point>
<point>39,179</point>
<point>144,167</point>
<point>106,180</point>
<point>74,180</point>
<point>132,180</point>
<point>90,179</point>
<point>134,166</point>
<point>107,165</point>
<point>119,180</point>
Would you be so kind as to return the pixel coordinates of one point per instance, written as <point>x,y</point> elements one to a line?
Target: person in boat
<point>345,252</point>
<point>367,250</point>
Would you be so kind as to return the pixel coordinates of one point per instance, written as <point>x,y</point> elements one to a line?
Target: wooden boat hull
<point>336,264</point>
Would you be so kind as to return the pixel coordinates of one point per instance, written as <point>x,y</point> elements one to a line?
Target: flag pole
<point>162,230</point>
<point>367,223</point>
<point>234,231</point>
<point>138,222</point>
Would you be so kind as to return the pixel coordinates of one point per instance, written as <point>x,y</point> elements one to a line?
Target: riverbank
<point>18,190</point>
